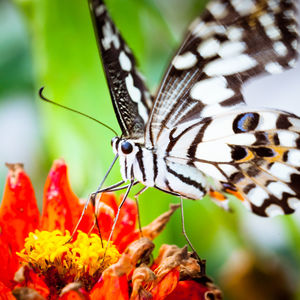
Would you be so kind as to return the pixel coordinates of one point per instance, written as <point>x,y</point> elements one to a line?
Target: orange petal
<point>189,289</point>
<point>5,292</point>
<point>8,263</point>
<point>111,287</point>
<point>61,208</point>
<point>127,239</point>
<point>106,216</point>
<point>126,222</point>
<point>166,285</point>
<point>73,295</point>
<point>110,200</point>
<point>19,215</point>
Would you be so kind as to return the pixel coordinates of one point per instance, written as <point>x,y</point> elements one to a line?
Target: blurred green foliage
<point>64,58</point>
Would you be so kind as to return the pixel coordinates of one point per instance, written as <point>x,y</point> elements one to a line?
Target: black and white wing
<point>231,42</point>
<point>131,99</point>
<point>200,120</point>
<point>253,154</point>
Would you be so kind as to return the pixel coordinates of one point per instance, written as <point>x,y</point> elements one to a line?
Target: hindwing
<point>255,155</point>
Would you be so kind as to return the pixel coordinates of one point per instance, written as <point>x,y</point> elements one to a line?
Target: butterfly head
<point>123,146</point>
<point>127,151</point>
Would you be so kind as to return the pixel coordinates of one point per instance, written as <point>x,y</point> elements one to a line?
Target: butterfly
<point>196,135</point>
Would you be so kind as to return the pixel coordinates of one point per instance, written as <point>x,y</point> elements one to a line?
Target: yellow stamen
<point>83,257</point>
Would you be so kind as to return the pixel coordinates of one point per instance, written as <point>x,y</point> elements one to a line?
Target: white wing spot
<point>292,28</point>
<point>266,20</point>
<point>280,48</point>
<point>287,138</point>
<point>295,122</point>
<point>214,109</point>
<point>267,121</point>
<point>282,171</point>
<point>278,188</point>
<point>235,33</point>
<point>208,48</point>
<point>125,62</point>
<point>205,30</point>
<point>136,95</point>
<point>243,7</point>
<point>289,14</point>
<point>231,48</point>
<point>273,32</point>
<point>245,139</point>
<point>228,169</point>
<point>274,5</point>
<point>257,196</point>
<point>293,203</point>
<point>127,49</point>
<point>217,9</point>
<point>210,170</point>
<point>273,68</point>
<point>184,61</point>
<point>214,151</point>
<point>294,157</point>
<point>292,63</point>
<point>211,90</point>
<point>109,37</point>
<point>274,210</point>
<point>230,65</point>
<point>219,128</point>
<point>295,44</point>
<point>100,10</point>
<point>196,25</point>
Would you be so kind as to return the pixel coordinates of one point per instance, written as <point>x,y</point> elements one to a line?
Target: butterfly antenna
<point>74,110</point>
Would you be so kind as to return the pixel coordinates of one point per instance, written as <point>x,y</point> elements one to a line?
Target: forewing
<point>231,42</point>
<point>253,154</point>
<point>131,99</point>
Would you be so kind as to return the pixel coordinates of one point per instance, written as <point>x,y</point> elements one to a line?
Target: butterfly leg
<point>201,261</point>
<point>92,199</point>
<point>136,197</point>
<point>117,217</point>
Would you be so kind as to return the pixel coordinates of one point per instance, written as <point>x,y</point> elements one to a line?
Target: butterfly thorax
<point>154,167</point>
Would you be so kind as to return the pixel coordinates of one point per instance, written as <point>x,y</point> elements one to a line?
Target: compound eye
<point>126,147</point>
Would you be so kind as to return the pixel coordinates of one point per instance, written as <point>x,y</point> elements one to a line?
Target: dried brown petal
<point>214,293</point>
<point>139,250</point>
<point>141,275</point>
<point>152,230</point>
<point>25,293</point>
<point>123,266</point>
<point>171,262</point>
<point>70,287</point>
<point>175,256</point>
<point>189,268</point>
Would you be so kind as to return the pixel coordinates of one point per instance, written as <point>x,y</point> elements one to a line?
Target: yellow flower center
<point>84,257</point>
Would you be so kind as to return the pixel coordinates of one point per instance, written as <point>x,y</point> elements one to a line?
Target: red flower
<point>55,268</point>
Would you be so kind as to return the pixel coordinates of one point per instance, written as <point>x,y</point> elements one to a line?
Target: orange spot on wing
<point>217,195</point>
<point>279,154</point>
<point>236,194</point>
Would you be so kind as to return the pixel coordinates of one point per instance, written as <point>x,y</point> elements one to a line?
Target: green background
<point>51,43</point>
